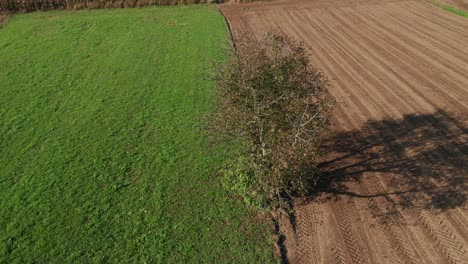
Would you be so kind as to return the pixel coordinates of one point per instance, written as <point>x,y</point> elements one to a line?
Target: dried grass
<point>4,17</point>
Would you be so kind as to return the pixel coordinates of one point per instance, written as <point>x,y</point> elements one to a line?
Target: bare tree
<point>270,95</point>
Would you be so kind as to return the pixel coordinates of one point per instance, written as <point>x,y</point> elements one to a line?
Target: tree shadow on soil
<point>420,159</point>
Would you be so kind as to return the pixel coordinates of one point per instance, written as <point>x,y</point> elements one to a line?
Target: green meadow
<point>102,155</point>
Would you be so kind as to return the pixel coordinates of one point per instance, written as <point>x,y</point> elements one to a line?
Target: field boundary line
<point>451,9</point>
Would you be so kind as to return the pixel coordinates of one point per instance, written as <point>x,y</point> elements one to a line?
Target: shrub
<point>4,17</point>
<point>271,96</point>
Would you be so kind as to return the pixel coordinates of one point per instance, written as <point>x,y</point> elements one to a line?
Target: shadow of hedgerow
<point>423,159</point>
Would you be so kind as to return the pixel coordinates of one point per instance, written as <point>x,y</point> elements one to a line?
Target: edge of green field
<point>451,9</point>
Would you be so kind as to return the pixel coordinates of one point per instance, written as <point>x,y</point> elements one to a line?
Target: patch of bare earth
<point>397,170</point>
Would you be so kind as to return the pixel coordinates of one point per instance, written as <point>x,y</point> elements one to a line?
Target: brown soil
<point>397,167</point>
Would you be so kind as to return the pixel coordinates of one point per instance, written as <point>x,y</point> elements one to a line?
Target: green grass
<point>451,9</point>
<point>102,158</point>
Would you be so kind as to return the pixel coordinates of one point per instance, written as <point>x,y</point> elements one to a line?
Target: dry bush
<point>272,97</point>
<point>4,17</point>
<point>35,5</point>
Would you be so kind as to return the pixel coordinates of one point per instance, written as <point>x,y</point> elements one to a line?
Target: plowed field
<point>398,154</point>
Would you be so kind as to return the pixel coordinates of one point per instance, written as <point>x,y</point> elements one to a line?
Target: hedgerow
<point>270,96</point>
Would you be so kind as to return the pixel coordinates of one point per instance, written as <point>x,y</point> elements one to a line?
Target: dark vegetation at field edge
<point>36,5</point>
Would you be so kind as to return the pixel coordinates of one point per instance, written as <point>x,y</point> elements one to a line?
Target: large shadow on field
<point>421,160</point>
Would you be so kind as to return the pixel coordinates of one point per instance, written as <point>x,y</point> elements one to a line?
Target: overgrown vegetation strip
<point>36,5</point>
